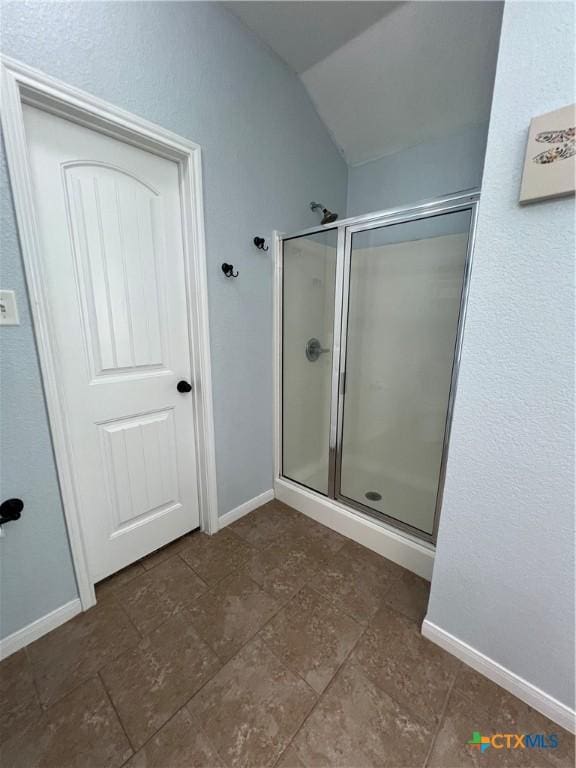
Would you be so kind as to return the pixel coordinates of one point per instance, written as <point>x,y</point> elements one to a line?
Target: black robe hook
<point>259,243</point>
<point>228,270</point>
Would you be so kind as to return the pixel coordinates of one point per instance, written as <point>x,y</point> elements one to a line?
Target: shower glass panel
<point>405,289</point>
<point>309,277</point>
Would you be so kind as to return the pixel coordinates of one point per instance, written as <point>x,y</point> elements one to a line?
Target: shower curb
<point>412,554</point>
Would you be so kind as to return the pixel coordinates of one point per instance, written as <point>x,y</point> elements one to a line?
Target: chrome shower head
<point>327,216</point>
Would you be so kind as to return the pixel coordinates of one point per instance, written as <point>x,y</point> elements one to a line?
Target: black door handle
<point>183,386</point>
<point>11,509</point>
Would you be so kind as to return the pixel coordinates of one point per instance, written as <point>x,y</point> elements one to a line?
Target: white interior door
<point>110,222</point>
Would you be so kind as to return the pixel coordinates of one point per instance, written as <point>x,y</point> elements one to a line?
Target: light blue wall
<point>427,170</point>
<point>193,68</point>
<point>504,573</point>
<point>36,574</point>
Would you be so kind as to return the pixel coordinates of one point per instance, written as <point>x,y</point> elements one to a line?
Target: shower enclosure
<point>370,319</point>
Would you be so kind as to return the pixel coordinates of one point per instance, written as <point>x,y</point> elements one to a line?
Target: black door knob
<point>183,386</point>
<point>11,509</point>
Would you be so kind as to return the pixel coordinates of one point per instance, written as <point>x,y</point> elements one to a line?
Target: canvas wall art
<point>550,162</point>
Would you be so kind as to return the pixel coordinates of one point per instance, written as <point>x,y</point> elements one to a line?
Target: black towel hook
<point>259,242</point>
<point>228,270</point>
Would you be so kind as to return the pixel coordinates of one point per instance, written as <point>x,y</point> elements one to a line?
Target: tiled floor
<point>274,643</point>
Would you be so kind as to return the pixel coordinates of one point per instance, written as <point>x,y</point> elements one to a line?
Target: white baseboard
<point>407,552</point>
<point>522,689</point>
<point>244,509</point>
<point>38,628</point>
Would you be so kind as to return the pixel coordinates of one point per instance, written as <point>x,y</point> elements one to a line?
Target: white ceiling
<point>303,33</point>
<point>386,76</point>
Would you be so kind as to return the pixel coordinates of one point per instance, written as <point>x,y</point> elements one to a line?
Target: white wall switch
<point>8,308</point>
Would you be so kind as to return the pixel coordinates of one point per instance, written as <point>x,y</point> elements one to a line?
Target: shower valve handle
<point>314,349</point>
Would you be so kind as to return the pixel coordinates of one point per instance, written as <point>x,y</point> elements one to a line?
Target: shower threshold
<point>399,546</point>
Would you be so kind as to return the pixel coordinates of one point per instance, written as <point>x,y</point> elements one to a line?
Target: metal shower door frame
<point>346,229</point>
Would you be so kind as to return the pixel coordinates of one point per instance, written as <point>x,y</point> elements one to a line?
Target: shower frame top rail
<point>420,209</point>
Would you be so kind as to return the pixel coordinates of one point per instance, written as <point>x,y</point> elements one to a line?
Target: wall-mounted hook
<point>259,242</point>
<point>228,270</point>
<point>11,509</point>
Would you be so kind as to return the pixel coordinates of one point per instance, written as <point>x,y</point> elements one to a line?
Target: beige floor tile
<point>322,541</point>
<point>477,688</point>
<point>150,683</point>
<point>357,725</point>
<point>78,649</point>
<point>463,716</point>
<point>215,557</point>
<point>231,613</point>
<point>514,716</point>
<point>326,666</point>
<point>269,523</point>
<point>312,637</point>
<point>409,595</point>
<point>451,748</point>
<point>165,553</point>
<point>109,587</point>
<point>282,568</point>
<point>252,707</point>
<point>413,671</point>
<point>155,595</point>
<point>368,557</point>
<point>289,759</point>
<point>19,703</point>
<point>520,718</point>
<point>357,580</point>
<point>181,743</point>
<point>80,731</point>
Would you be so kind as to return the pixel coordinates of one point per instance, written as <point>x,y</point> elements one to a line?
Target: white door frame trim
<point>23,84</point>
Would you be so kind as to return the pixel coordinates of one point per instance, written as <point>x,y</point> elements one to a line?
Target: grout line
<point>65,693</point>
<point>334,602</point>
<point>34,681</point>
<point>187,564</point>
<point>164,725</point>
<point>132,623</point>
<point>281,605</point>
<point>237,653</point>
<point>109,697</point>
<point>322,695</point>
<point>441,718</point>
<point>142,560</point>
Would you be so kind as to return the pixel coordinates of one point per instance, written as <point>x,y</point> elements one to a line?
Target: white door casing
<point>109,213</point>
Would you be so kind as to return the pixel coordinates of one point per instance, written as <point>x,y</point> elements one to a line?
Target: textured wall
<point>36,573</point>
<point>427,170</point>
<point>504,574</point>
<point>193,68</point>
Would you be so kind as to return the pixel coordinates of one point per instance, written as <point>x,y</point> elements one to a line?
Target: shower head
<point>327,216</point>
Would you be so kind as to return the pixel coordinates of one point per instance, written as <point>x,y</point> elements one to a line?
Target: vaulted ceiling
<point>385,76</point>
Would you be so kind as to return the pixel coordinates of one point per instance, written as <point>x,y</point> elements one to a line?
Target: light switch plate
<point>8,308</point>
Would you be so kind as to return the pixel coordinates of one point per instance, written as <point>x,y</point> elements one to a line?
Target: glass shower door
<point>401,321</point>
<point>308,289</point>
